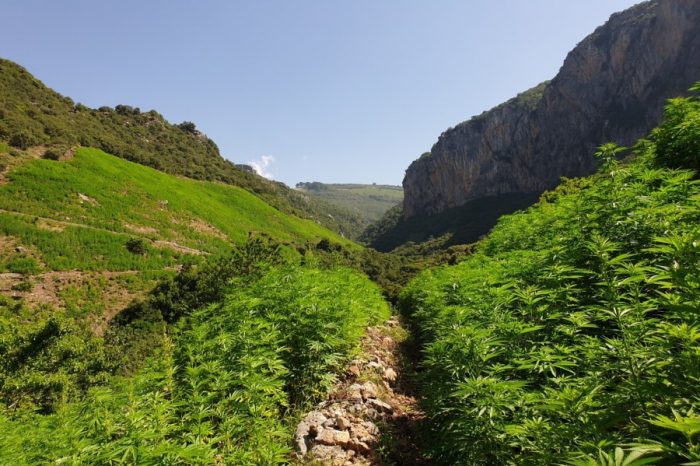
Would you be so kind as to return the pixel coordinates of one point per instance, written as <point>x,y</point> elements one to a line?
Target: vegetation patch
<point>226,387</point>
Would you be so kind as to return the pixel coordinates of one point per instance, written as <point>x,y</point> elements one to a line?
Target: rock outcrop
<point>611,87</point>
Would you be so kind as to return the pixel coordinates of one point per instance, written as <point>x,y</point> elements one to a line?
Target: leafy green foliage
<point>195,287</point>
<point>136,246</point>
<point>275,344</point>
<point>46,358</point>
<point>678,137</point>
<point>571,335</point>
<point>223,393</point>
<point>22,264</point>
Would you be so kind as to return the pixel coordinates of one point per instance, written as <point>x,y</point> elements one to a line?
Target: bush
<point>678,138</point>
<point>136,246</point>
<point>127,110</point>
<point>53,154</point>
<point>23,286</point>
<point>193,288</point>
<point>45,361</point>
<point>23,140</point>
<point>188,127</point>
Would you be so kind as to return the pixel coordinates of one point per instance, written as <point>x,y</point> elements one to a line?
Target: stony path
<point>370,418</point>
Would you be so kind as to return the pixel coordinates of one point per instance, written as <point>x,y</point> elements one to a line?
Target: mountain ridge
<point>612,86</point>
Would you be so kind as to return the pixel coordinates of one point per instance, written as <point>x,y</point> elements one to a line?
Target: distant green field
<point>369,201</point>
<point>80,213</point>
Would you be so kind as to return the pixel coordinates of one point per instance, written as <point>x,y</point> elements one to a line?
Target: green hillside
<point>70,226</point>
<point>99,200</point>
<point>369,201</point>
<point>34,116</point>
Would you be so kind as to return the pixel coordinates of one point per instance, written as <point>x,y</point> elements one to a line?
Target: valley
<point>530,296</point>
<point>368,202</point>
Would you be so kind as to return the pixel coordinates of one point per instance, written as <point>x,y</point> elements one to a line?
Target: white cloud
<point>262,166</point>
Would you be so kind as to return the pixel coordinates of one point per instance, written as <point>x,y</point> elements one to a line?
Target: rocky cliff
<point>611,87</point>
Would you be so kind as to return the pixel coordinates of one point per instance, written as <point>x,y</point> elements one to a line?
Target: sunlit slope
<point>80,214</point>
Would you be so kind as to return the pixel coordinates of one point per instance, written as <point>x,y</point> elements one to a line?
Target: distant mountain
<point>369,201</point>
<point>32,115</point>
<point>611,87</point>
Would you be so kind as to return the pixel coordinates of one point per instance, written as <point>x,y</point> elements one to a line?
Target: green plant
<point>677,139</point>
<point>136,246</point>
<point>23,286</point>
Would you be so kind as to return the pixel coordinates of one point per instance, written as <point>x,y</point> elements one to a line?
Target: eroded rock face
<point>612,87</point>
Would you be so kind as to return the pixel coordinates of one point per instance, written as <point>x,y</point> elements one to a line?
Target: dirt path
<point>371,417</point>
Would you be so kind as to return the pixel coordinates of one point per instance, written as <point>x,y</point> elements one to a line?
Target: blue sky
<point>325,90</point>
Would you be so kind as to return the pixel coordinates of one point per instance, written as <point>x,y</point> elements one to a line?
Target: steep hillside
<point>368,201</point>
<point>571,335</point>
<point>33,115</point>
<point>68,223</point>
<point>611,87</point>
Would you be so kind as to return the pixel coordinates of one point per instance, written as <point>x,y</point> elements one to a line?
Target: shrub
<point>127,110</point>
<point>53,154</point>
<point>23,286</point>
<point>188,127</point>
<point>678,137</point>
<point>193,288</point>
<point>23,140</point>
<point>136,246</point>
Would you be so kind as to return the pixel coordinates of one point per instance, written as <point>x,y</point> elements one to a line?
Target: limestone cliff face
<point>611,87</point>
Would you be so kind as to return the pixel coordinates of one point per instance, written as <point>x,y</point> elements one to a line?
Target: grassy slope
<point>370,202</point>
<point>130,201</point>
